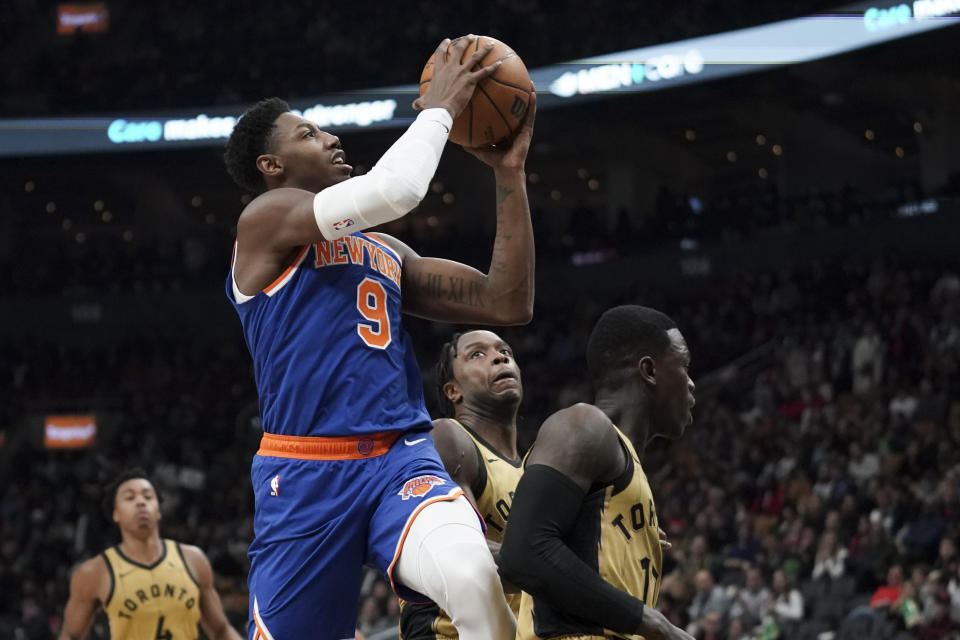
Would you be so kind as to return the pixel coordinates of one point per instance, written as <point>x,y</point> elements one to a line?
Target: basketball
<point>499,102</point>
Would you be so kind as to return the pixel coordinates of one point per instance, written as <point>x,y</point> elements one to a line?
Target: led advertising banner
<point>69,431</point>
<point>645,69</point>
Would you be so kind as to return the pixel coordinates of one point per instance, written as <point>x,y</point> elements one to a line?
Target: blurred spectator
<point>711,627</point>
<point>941,625</point>
<point>786,603</point>
<point>745,550</point>
<point>867,360</point>
<point>907,606</point>
<point>830,561</point>
<point>751,601</point>
<point>737,630</point>
<point>708,598</point>
<point>887,595</point>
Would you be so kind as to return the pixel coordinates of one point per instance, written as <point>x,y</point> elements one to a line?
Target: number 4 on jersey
<point>372,305</point>
<point>162,634</point>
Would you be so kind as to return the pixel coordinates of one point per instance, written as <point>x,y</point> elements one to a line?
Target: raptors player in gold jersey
<point>151,588</point>
<point>480,390</point>
<point>583,541</point>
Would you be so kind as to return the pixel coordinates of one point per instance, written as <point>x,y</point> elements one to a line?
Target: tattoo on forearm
<point>503,193</point>
<point>499,259</point>
<point>453,289</point>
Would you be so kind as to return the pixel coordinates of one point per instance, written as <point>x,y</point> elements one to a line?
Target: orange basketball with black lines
<point>499,102</point>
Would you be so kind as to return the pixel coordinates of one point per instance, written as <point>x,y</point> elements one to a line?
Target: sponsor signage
<point>645,69</point>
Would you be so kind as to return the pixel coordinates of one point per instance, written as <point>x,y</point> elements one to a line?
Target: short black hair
<point>443,371</point>
<point>249,140</point>
<point>110,492</point>
<point>621,337</point>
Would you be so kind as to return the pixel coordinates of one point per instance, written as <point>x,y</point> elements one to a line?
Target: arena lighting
<point>645,69</point>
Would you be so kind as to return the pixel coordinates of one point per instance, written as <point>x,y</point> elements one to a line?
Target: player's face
<point>674,387</point>
<point>136,507</point>
<point>311,159</point>
<point>484,369</point>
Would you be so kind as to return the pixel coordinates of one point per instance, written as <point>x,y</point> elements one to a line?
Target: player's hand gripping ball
<point>499,102</point>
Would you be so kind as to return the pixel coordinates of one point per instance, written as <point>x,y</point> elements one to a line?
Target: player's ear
<point>453,392</point>
<point>270,164</point>
<point>648,370</point>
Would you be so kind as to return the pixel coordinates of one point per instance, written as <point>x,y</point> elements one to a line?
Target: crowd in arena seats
<point>178,54</point>
<point>72,252</point>
<point>817,490</point>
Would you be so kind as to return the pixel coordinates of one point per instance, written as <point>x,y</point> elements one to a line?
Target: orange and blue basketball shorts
<point>324,508</point>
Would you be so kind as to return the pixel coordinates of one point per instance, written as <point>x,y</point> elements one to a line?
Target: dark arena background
<point>782,178</point>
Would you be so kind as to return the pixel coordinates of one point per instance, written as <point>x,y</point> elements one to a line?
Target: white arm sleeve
<point>397,183</point>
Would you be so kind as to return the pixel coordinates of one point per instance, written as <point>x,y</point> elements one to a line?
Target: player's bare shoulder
<point>457,450</point>
<point>446,429</point>
<point>582,425</point>
<point>197,563</point>
<point>270,207</point>
<point>91,579</point>
<point>579,441</point>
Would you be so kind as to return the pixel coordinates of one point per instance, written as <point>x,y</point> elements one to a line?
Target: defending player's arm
<point>576,448</point>
<point>461,459</point>
<point>459,455</point>
<point>284,218</point>
<point>212,618</point>
<point>89,585</point>
<point>448,291</point>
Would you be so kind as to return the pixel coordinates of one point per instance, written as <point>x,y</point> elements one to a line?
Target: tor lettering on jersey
<point>637,518</point>
<point>420,486</point>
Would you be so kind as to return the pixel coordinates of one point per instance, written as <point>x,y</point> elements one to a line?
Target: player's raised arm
<point>212,618</point>
<point>88,585</point>
<point>306,193</point>
<point>449,291</point>
<point>575,448</point>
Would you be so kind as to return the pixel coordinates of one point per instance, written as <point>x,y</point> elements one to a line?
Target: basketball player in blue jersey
<point>480,390</point>
<point>583,541</point>
<point>346,473</point>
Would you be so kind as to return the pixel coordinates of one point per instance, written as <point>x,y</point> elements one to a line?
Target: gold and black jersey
<point>156,602</point>
<point>494,489</point>
<point>616,535</point>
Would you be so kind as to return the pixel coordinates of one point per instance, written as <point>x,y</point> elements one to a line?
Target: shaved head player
<point>583,541</point>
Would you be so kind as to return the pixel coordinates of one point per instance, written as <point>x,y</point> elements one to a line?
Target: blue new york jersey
<point>330,355</point>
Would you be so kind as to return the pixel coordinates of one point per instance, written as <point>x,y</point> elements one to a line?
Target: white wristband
<point>397,183</point>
